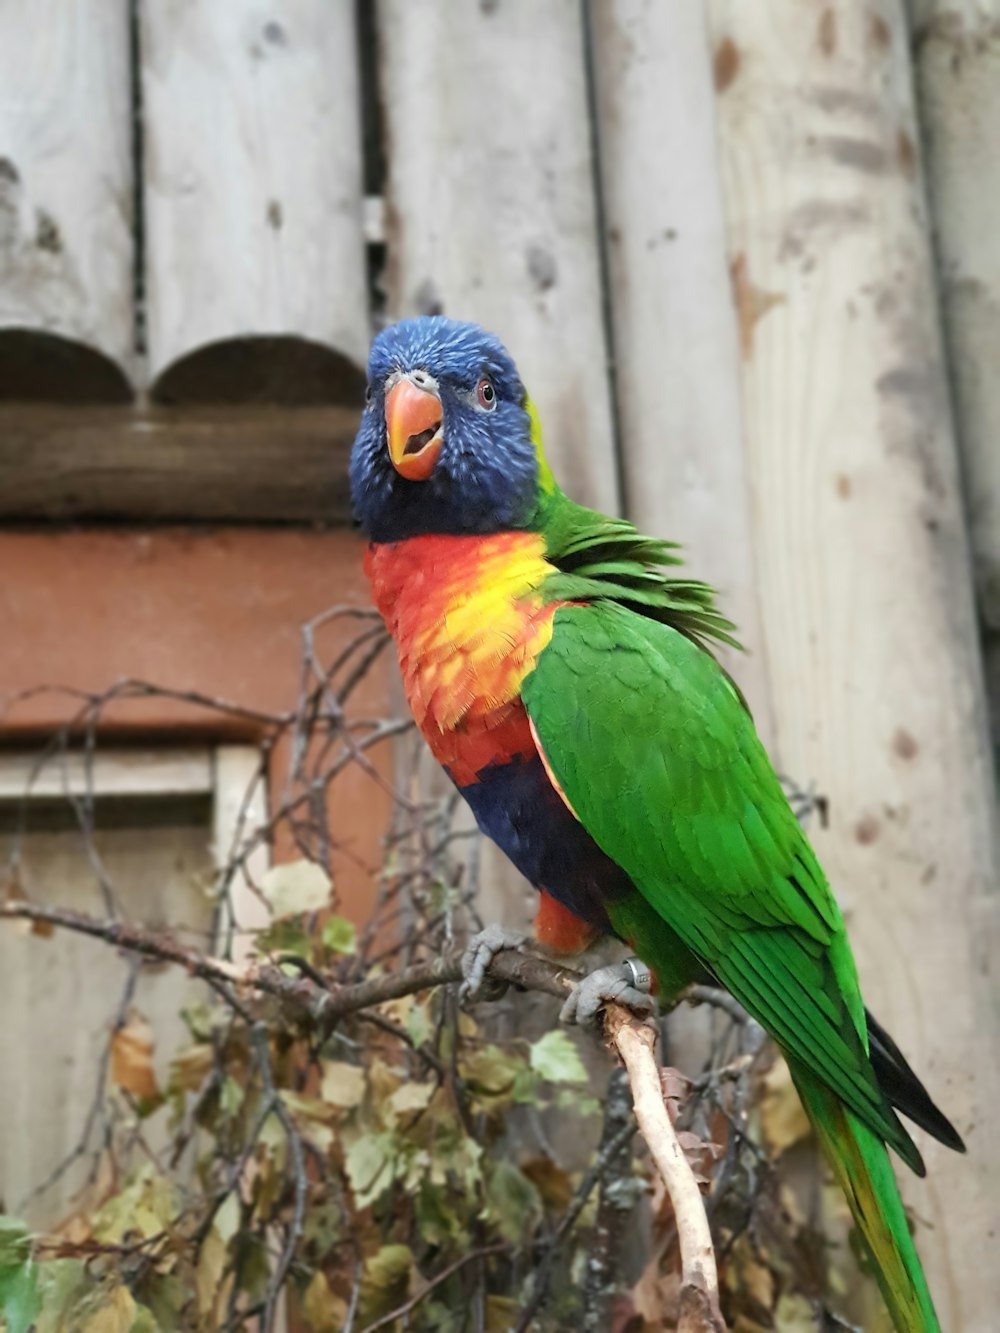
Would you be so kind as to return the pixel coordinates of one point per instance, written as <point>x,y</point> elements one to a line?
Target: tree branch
<point>323,1003</point>
<point>699,1301</point>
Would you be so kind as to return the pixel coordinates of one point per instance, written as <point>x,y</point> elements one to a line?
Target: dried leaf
<point>116,1314</point>
<point>555,1058</point>
<point>701,1154</point>
<point>656,1295</point>
<point>132,1058</point>
<point>676,1090</point>
<point>342,1084</point>
<point>493,1075</point>
<point>554,1185</point>
<point>783,1122</point>
<point>190,1068</point>
<point>411,1097</point>
<point>307,1108</point>
<point>501,1313</point>
<point>795,1314</point>
<point>208,1275</point>
<point>296,887</point>
<point>386,1280</point>
<point>323,1311</point>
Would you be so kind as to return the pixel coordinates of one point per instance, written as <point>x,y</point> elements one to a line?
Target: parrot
<point>560,667</point>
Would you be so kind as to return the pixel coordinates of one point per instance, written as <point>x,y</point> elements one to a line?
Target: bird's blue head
<point>446,440</point>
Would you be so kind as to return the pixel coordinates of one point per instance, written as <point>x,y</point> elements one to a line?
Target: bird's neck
<point>469,618</point>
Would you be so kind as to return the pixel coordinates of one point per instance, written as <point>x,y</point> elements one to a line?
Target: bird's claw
<point>479,953</point>
<point>628,983</point>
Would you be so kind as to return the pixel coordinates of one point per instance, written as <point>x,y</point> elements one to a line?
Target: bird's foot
<point>479,953</point>
<point>629,983</point>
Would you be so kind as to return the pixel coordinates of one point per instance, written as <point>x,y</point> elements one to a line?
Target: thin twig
<point>443,1276</point>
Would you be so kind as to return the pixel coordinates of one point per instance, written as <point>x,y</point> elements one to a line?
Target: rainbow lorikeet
<point>562,673</point>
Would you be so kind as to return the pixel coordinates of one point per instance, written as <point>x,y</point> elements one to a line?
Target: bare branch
<point>699,1302</point>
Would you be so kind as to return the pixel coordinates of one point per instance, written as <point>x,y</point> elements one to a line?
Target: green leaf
<point>339,935</point>
<point>147,1205</point>
<point>67,1290</point>
<point>15,1242</point>
<point>513,1203</point>
<point>418,1024</point>
<point>370,1163</point>
<point>296,887</point>
<point>555,1058</point>
<point>437,1221</point>
<point>286,936</point>
<point>20,1299</point>
<point>230,1096</point>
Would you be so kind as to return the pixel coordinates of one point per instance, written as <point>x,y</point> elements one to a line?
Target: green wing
<point>659,759</point>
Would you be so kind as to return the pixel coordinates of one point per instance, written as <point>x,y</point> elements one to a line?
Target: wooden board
<point>66,250</point>
<point>863,560</point>
<point>958,69</point>
<point>62,993</point>
<point>252,193</point>
<point>676,335</point>
<point>139,772</point>
<point>196,464</point>
<point>957,47</point>
<point>491,207</point>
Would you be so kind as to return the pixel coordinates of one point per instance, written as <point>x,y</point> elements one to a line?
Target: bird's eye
<point>486,395</point>
<point>368,393</point>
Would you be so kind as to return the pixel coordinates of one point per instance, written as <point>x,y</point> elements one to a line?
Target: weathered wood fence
<point>706,230</point>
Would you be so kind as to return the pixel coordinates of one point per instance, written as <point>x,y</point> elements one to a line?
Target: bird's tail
<point>861,1164</point>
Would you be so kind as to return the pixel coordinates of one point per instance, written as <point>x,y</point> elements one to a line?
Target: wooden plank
<point>239,811</point>
<point>676,335</point>
<point>192,464</point>
<point>862,559</point>
<point>66,316</point>
<point>256,227</point>
<point>62,994</point>
<point>958,84</point>
<point>491,209</point>
<point>139,772</point>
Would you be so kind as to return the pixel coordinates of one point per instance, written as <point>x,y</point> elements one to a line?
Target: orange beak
<point>413,420</point>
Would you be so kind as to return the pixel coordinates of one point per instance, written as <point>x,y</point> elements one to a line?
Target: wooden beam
<point>135,773</point>
<point>677,348</point>
<point>957,45</point>
<point>253,196</point>
<point>863,561</point>
<point>66,249</point>
<point>204,464</point>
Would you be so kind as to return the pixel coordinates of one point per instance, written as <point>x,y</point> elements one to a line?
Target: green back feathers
<point>602,558</point>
